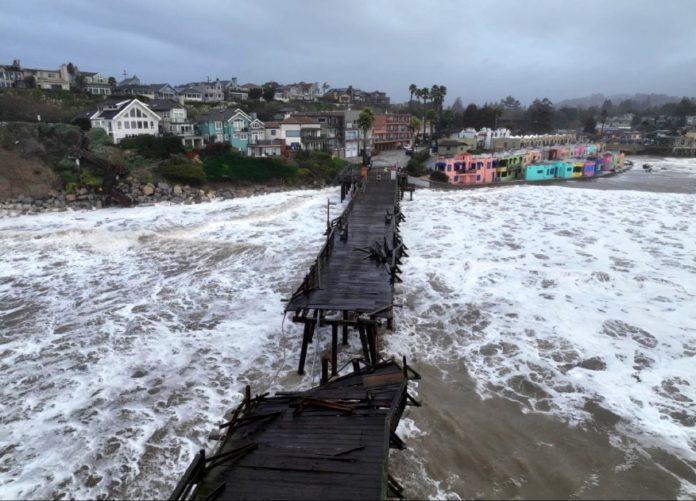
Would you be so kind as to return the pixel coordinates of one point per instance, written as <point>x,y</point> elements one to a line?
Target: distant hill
<point>641,101</point>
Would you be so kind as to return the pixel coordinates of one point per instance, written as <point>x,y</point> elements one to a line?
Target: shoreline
<point>142,195</point>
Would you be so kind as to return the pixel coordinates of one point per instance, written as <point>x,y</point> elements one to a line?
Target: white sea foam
<point>555,296</point>
<point>125,334</point>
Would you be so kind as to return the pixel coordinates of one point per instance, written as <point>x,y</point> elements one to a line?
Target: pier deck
<point>330,442</point>
<point>351,283</point>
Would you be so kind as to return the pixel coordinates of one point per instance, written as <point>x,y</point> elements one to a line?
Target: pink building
<point>579,150</point>
<point>558,153</point>
<point>467,169</point>
<point>532,157</point>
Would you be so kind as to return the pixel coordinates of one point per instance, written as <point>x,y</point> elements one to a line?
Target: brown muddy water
<point>553,325</point>
<point>555,331</point>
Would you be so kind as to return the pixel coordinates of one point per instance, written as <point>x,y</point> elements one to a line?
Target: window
<point>540,171</point>
<point>140,124</point>
<point>218,125</point>
<point>449,168</point>
<point>273,132</point>
<point>132,112</point>
<point>152,125</point>
<point>127,123</point>
<point>118,124</point>
<point>133,125</point>
<point>478,177</point>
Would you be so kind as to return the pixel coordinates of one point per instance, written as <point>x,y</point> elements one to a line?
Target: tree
<point>431,117</point>
<point>424,94</point>
<point>365,121</point>
<point>448,120</point>
<point>412,90</point>
<point>112,82</point>
<point>590,126</point>
<point>269,90</point>
<point>540,116</point>
<point>470,116</point>
<point>510,104</point>
<point>30,82</point>
<point>255,93</point>
<point>414,126</point>
<point>603,116</point>
<point>71,69</point>
<point>683,109</point>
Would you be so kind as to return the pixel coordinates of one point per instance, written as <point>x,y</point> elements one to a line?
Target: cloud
<point>481,51</point>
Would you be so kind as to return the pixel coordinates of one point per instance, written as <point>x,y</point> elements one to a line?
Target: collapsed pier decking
<point>351,283</point>
<point>330,442</point>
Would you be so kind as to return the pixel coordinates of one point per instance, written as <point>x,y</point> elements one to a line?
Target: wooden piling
<point>334,350</point>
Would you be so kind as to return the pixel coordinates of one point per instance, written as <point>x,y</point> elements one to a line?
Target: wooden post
<point>247,398</point>
<point>365,347</point>
<point>334,349</point>
<point>324,370</point>
<point>372,342</point>
<point>303,351</point>
<point>405,367</point>
<point>345,328</point>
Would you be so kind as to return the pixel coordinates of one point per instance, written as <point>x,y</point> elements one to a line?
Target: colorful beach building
<point>541,171</point>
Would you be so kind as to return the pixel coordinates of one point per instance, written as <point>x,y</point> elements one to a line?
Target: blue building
<point>233,126</point>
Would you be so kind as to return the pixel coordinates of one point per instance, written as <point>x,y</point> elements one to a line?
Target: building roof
<point>300,120</point>
<point>272,125</point>
<point>250,86</point>
<point>164,104</point>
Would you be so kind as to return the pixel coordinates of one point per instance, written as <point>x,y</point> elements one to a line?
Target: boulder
<point>178,191</point>
<point>70,197</point>
<point>148,189</point>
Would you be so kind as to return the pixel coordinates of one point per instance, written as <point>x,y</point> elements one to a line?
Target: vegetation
<point>153,147</point>
<point>27,105</point>
<point>319,165</point>
<point>182,172</point>
<point>542,116</point>
<point>234,167</point>
<point>416,164</point>
<point>439,177</point>
<point>365,121</point>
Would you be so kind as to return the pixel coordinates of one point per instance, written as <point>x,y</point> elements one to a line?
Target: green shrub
<point>415,168</point>
<point>440,177</point>
<point>235,167</point>
<point>89,178</point>
<point>183,173</point>
<point>421,156</point>
<point>98,138</point>
<point>153,146</point>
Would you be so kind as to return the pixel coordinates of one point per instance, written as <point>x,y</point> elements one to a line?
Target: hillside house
<point>127,118</point>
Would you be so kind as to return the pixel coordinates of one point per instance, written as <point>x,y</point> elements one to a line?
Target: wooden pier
<point>350,285</point>
<point>330,442</point>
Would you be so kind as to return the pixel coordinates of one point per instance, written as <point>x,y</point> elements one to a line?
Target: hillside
<point>640,101</point>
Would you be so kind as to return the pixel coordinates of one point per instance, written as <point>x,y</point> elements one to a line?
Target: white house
<point>121,119</point>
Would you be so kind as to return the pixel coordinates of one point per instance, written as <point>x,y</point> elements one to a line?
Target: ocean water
<point>554,327</point>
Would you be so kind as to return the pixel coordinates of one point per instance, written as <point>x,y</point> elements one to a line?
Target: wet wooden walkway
<point>330,442</point>
<point>350,285</point>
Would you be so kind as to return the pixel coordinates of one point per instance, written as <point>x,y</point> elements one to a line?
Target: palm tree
<point>424,94</point>
<point>365,121</point>
<point>431,117</point>
<point>414,127</point>
<point>412,89</point>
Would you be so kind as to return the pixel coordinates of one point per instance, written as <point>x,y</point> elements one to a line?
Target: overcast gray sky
<point>481,50</point>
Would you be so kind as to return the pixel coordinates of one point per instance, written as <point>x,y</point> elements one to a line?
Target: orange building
<point>390,132</point>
